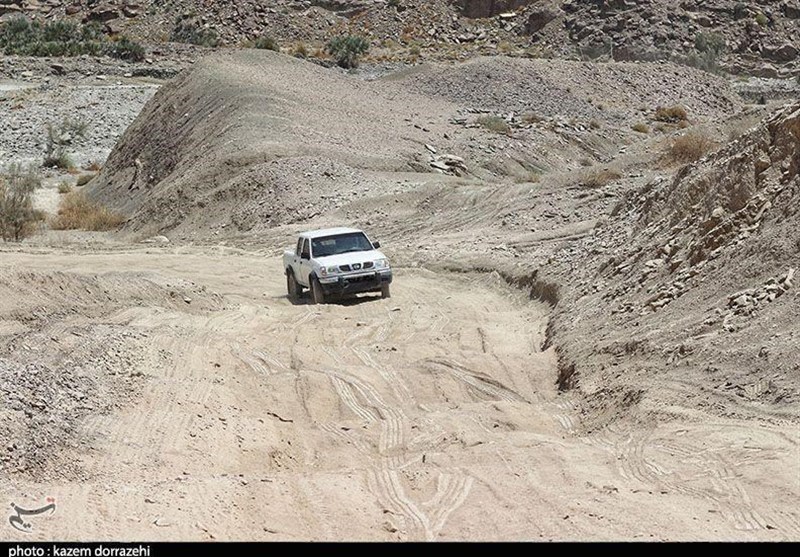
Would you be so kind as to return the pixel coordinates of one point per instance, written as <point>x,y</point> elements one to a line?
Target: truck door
<point>305,263</point>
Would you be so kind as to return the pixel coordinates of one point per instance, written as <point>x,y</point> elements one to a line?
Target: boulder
<point>539,18</point>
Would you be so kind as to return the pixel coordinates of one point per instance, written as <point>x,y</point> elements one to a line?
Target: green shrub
<point>709,42</point>
<point>64,187</point>
<point>126,49</point>
<point>190,31</point>
<point>18,218</point>
<point>346,50</point>
<point>22,37</point>
<point>266,43</point>
<point>761,19</point>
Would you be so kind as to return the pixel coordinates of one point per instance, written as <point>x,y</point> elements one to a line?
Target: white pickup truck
<point>336,262</point>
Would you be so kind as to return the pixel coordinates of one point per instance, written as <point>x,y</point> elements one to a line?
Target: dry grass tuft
<point>689,147</point>
<point>672,114</point>
<point>77,212</point>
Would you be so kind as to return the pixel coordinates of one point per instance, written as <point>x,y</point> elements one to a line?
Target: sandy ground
<point>432,415</point>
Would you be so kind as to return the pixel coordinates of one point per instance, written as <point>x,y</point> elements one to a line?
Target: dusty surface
<point>426,416</point>
<point>562,358</point>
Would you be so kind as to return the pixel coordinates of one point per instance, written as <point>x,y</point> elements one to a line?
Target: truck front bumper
<point>356,283</point>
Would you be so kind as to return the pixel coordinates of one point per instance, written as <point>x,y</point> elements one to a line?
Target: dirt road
<point>429,416</point>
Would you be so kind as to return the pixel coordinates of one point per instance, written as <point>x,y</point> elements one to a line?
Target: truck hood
<point>350,258</point>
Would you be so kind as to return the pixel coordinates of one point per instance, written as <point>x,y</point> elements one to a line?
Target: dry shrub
<point>641,127</point>
<point>77,212</point>
<point>600,178</point>
<point>672,114</point>
<point>689,147</point>
<point>495,124</point>
<point>18,218</point>
<point>531,118</point>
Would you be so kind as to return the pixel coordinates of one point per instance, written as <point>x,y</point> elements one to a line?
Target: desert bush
<point>18,218</point>
<point>126,49</point>
<point>190,31</point>
<point>59,139</point>
<point>689,147</point>
<point>672,114</point>
<point>299,50</point>
<point>93,166</point>
<point>24,37</point>
<point>531,118</point>
<point>495,124</point>
<point>64,187</point>
<point>640,127</point>
<point>706,61</point>
<point>78,212</point>
<point>594,124</point>
<point>709,42</point>
<point>762,19</point>
<point>600,178</point>
<point>346,50</point>
<point>266,42</point>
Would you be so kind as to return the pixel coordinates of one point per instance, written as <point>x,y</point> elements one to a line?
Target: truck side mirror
<point>376,245</point>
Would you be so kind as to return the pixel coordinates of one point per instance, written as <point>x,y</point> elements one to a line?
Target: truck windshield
<point>341,243</point>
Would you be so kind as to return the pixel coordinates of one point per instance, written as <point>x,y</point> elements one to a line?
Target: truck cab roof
<point>321,233</point>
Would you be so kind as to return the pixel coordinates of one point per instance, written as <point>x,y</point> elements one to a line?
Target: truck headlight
<point>325,271</point>
<point>382,264</point>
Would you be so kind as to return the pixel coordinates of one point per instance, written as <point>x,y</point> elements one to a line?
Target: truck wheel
<point>385,292</point>
<point>317,295</point>
<point>292,288</point>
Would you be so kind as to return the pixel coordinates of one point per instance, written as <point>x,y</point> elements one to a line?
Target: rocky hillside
<point>695,276</point>
<point>247,140</point>
<point>757,38</point>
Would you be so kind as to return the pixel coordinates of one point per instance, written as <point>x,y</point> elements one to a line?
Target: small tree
<point>346,50</point>
<point>59,138</point>
<point>17,215</point>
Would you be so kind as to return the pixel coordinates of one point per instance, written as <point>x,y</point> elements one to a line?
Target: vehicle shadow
<point>354,300</point>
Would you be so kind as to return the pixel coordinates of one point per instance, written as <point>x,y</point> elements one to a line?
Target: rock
<point>792,11</point>
<point>766,70</point>
<point>538,19</point>
<point>103,13</point>
<point>783,53</point>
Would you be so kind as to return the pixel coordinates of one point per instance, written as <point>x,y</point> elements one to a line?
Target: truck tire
<point>293,289</point>
<point>385,291</point>
<point>317,295</point>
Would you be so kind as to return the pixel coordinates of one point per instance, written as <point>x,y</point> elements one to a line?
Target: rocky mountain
<point>759,38</point>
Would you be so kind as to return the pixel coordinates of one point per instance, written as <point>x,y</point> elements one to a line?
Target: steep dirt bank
<point>692,285</point>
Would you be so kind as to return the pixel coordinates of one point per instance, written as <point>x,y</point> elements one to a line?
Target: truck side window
<point>306,253</point>
<point>299,247</point>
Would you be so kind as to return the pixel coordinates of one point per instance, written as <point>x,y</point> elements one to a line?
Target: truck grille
<point>356,266</point>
